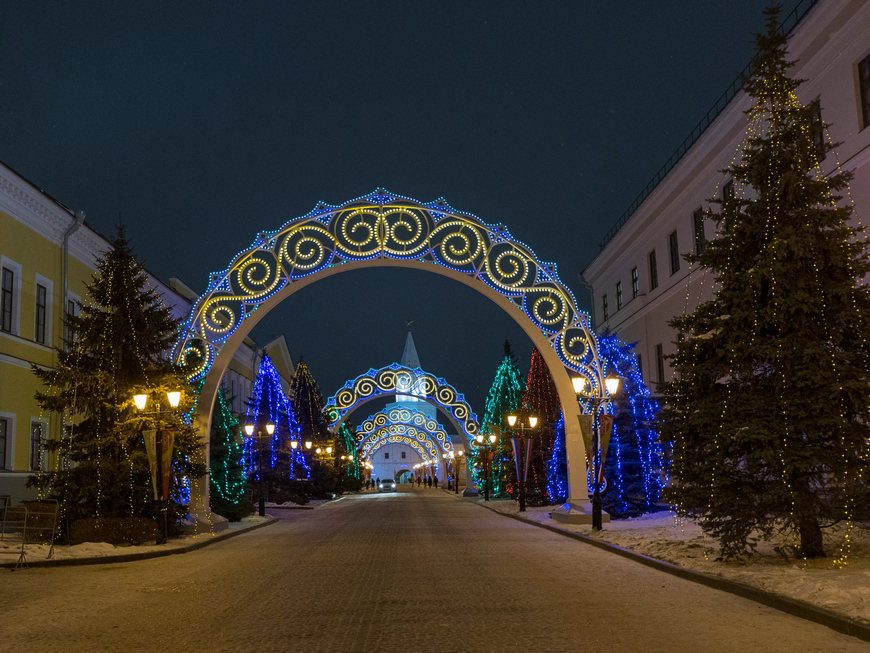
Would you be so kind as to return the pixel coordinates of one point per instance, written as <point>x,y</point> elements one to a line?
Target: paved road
<point>413,572</point>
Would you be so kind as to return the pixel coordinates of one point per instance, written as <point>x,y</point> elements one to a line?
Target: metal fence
<point>788,24</point>
<point>33,522</point>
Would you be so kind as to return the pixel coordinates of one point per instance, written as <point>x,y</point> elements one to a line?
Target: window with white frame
<point>10,295</point>
<point>604,306</point>
<point>660,363</point>
<point>674,251</point>
<point>698,225</point>
<point>653,271</point>
<point>72,307</point>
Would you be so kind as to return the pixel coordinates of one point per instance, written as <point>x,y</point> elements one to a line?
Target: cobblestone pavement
<point>412,572</point>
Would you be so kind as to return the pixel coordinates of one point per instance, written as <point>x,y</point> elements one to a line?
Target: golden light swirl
<point>305,248</point>
<point>457,244</point>
<point>509,268</point>
<point>256,276</point>
<point>358,232</point>
<point>221,313</point>
<point>407,232</point>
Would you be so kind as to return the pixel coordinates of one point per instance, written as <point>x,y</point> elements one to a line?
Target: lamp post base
<point>576,513</point>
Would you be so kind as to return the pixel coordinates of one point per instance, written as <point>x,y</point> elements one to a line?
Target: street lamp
<point>458,454</point>
<point>611,385</point>
<point>487,462</point>
<point>141,400</point>
<point>270,429</point>
<point>522,453</point>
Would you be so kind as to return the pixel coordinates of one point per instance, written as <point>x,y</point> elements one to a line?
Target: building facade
<point>639,279</point>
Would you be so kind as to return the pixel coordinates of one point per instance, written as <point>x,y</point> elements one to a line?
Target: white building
<point>639,279</point>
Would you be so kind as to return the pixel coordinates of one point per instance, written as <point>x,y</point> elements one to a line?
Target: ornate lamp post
<point>487,462</point>
<point>522,453</point>
<point>597,401</point>
<point>141,400</point>
<point>457,457</point>
<point>270,429</point>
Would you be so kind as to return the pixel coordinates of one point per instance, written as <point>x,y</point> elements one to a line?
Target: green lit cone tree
<point>767,415</point>
<point>116,349</point>
<point>226,472</point>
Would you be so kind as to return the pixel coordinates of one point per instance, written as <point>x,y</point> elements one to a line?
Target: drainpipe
<point>79,219</point>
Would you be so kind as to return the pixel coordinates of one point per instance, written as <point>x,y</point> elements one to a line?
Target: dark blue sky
<point>202,123</point>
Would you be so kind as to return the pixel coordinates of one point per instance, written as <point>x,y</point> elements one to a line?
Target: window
<point>653,271</point>
<point>635,285</point>
<point>604,306</point>
<point>698,223</point>
<point>36,444</point>
<point>817,129</point>
<point>386,455</point>
<point>728,190</point>
<point>7,296</point>
<point>660,363</point>
<point>864,90</point>
<point>674,251</point>
<point>39,330</point>
<point>4,430</point>
<point>618,295</point>
<point>403,454</point>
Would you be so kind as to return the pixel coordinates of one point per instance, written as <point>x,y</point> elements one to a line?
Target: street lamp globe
<point>249,429</point>
<point>493,438</point>
<point>140,401</point>
<point>174,397</point>
<point>533,421</point>
<point>270,428</point>
<point>579,384</point>
<point>512,419</point>
<point>479,438</point>
<point>612,385</point>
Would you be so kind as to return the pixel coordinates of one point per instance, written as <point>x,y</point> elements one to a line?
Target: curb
<point>132,557</point>
<point>794,607</point>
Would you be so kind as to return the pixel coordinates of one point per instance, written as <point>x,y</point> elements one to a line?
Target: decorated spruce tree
<point>557,466</point>
<point>542,400</point>
<point>505,396</point>
<point>226,471</point>
<point>633,466</point>
<point>768,412</point>
<point>116,349</point>
<point>307,402</point>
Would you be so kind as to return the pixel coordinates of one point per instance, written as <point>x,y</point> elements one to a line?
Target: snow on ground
<point>10,545</point>
<point>666,537</point>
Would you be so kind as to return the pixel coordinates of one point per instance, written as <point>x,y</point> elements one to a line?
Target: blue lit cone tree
<point>505,397</point>
<point>633,466</point>
<point>768,411</point>
<point>542,400</point>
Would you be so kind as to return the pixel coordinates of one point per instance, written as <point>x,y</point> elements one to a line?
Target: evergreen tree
<point>226,472</point>
<point>307,401</point>
<point>117,349</point>
<point>542,400</point>
<point>634,463</point>
<point>557,466</point>
<point>768,413</point>
<point>347,459</point>
<point>505,396</point>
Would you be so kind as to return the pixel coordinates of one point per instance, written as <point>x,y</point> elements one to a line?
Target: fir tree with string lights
<point>307,401</point>
<point>633,466</point>
<point>768,412</point>
<point>542,400</point>
<point>226,471</point>
<point>116,349</point>
<point>557,466</point>
<point>505,396</point>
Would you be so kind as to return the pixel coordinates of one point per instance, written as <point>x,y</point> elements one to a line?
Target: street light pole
<point>458,455</point>
<point>597,400</point>
<point>487,463</point>
<point>522,455</point>
<point>270,429</point>
<point>141,400</point>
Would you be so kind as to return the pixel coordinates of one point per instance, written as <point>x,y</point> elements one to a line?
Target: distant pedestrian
<point>436,482</point>
<point>429,481</point>
<point>418,481</point>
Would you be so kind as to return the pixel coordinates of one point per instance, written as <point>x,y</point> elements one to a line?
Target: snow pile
<point>666,537</point>
<point>10,546</point>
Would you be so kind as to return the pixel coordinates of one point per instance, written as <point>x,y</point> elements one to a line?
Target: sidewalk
<point>93,553</point>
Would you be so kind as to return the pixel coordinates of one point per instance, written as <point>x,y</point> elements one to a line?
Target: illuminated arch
<point>397,379</point>
<point>410,417</point>
<point>377,230</point>
<point>400,433</point>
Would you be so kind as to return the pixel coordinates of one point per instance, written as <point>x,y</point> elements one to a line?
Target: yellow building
<point>48,255</point>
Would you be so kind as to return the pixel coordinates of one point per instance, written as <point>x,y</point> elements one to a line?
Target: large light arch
<point>383,229</point>
<point>402,416</point>
<point>397,379</point>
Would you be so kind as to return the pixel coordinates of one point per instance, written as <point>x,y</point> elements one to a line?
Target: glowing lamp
<point>512,419</point>
<point>140,401</point>
<point>533,421</point>
<point>460,452</point>
<point>308,444</point>
<point>174,397</point>
<point>579,384</point>
<point>294,444</point>
<point>270,428</point>
<point>479,438</point>
<point>328,449</point>
<point>612,385</point>
<point>492,438</point>
<point>317,450</point>
<point>249,429</point>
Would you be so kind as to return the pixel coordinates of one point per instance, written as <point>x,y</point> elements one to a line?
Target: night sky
<point>202,123</point>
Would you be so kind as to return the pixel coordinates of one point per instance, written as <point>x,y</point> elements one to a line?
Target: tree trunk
<point>811,538</point>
